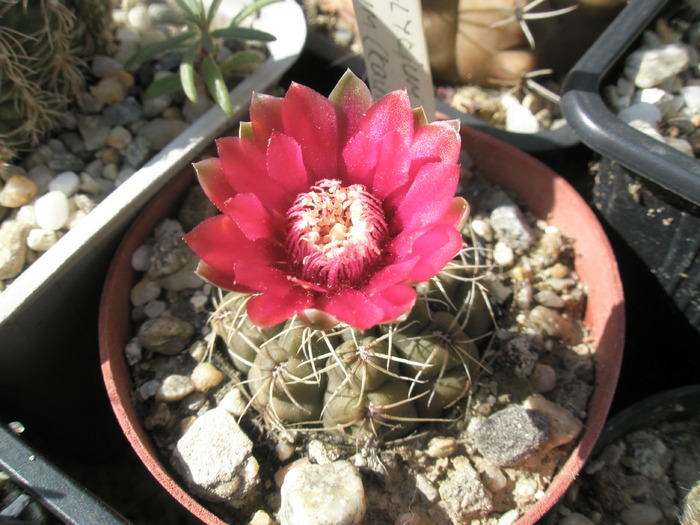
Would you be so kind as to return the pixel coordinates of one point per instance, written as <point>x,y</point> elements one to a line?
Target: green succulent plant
<point>201,44</point>
<point>378,384</point>
<point>43,44</point>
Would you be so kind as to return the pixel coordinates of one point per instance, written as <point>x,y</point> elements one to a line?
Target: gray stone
<point>650,67</point>
<point>160,131</point>
<point>462,493</point>
<point>511,435</point>
<point>166,335</point>
<point>137,152</point>
<point>330,494</point>
<point>123,113</point>
<point>65,161</point>
<point>511,227</point>
<point>94,131</point>
<point>170,253</point>
<point>641,514</point>
<point>215,458</point>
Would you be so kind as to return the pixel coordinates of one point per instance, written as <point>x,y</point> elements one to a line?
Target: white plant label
<point>393,45</point>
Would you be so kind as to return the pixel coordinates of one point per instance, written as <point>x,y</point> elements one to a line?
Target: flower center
<point>335,234</point>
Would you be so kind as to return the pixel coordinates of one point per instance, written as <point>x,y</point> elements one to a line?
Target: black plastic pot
<point>544,141</point>
<point>648,192</point>
<point>57,493</point>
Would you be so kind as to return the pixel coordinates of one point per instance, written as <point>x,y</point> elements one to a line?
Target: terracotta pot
<point>545,194</point>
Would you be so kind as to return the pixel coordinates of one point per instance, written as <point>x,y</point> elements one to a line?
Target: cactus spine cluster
<point>43,44</point>
<point>374,384</point>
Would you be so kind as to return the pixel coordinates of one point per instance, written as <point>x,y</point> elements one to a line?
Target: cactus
<point>691,508</point>
<point>42,45</point>
<point>379,383</point>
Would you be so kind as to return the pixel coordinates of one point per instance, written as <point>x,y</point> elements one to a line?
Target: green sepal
<point>245,131</point>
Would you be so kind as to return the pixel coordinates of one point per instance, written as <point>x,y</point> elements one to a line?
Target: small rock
<point>67,182</point>
<point>322,453</point>
<point>109,90</point>
<point>549,299</point>
<point>41,175</point>
<point>511,435</point>
<point>88,184</point>
<point>133,351</point>
<point>519,119</point>
<point>184,278</point>
<point>41,240</point>
<point>206,376</point>
<point>123,113</point>
<point>89,103</point>
<point>215,458</point>
<point>139,17</point>
<point>137,152</point>
<point>174,388</point>
<point>154,309</point>
<point>575,519</point>
<point>17,191</point>
<point>555,325</point>
<point>424,485</point>
<point>94,132</point>
<point>170,253</point>
<point>261,518</point>
<point>512,227</point>
<point>563,426</point>
<point>166,335</point>
<point>509,517</point>
<point>441,447</point>
<point>101,65</point>
<point>463,496</point>
<point>26,215</point>
<point>152,107</point>
<point>141,258</point>
<point>543,378</point>
<point>119,137</point>
<point>641,514</point>
<point>159,131</point>
<point>503,254</point>
<point>52,210</point>
<point>330,494</point>
<point>650,67</point>
<point>643,111</point>
<point>144,291</point>
<point>65,161</point>
<point>234,402</point>
<point>13,248</point>
<point>691,97</point>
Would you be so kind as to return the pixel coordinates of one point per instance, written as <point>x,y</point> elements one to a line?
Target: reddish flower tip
<point>332,207</point>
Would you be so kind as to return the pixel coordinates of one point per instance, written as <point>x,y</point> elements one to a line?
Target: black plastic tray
<point>601,130</point>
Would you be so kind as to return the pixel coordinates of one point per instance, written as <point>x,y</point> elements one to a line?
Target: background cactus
<point>43,44</point>
<point>374,384</point>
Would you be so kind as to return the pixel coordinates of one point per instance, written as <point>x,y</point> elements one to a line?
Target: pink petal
<point>352,99</point>
<point>244,165</point>
<point>269,310</point>
<point>220,279</point>
<point>457,213</point>
<point>262,278</point>
<point>437,142</point>
<point>428,197</point>
<point>285,163</point>
<point>391,275</point>
<point>391,171</point>
<point>310,118</point>
<point>352,307</point>
<point>252,218</point>
<point>220,243</point>
<point>435,248</point>
<point>213,181</point>
<point>395,301</point>
<point>265,116</point>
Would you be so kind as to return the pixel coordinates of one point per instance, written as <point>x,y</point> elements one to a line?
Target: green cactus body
<point>380,383</point>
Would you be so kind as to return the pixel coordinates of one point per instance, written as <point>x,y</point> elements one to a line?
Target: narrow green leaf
<point>240,59</point>
<point>243,33</point>
<point>187,9</point>
<point>164,85</point>
<point>213,8</point>
<point>249,10</point>
<point>208,43</point>
<point>149,51</point>
<point>217,86</point>
<point>187,73</point>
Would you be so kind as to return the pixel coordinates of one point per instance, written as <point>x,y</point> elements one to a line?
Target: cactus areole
<point>334,211</point>
<point>331,205</point>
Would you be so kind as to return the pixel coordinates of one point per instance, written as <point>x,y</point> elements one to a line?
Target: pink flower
<point>334,204</point>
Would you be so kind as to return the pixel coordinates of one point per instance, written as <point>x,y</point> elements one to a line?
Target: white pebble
<point>26,215</point>
<point>133,352</point>
<point>148,389</point>
<point>174,387</point>
<point>144,291</point>
<point>206,376</point>
<point>518,118</point>
<point>234,402</point>
<point>641,111</point>
<point>650,67</point>
<point>503,254</point>
<point>139,18</point>
<point>482,229</point>
<point>141,258</point>
<point>40,239</point>
<point>74,218</point>
<point>67,181</point>
<point>52,210</point>
<point>691,97</point>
